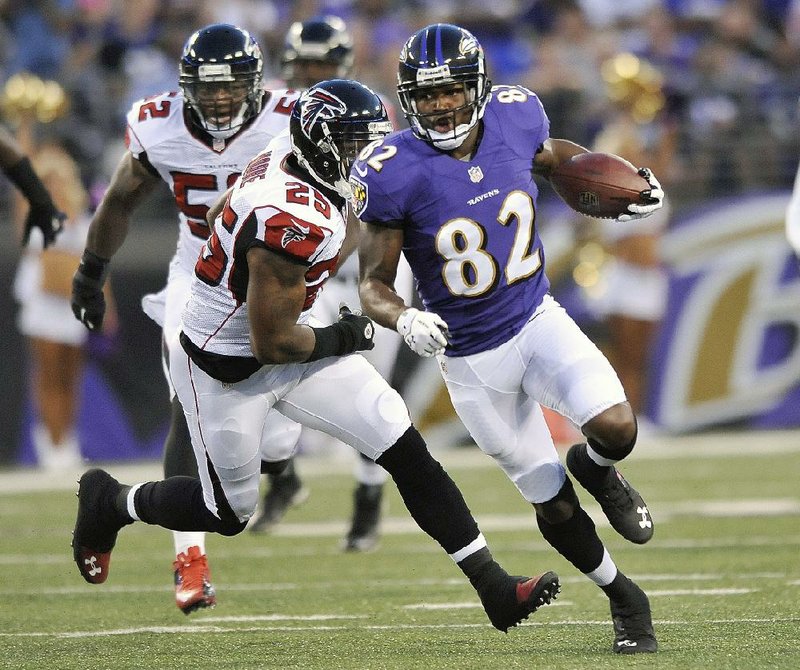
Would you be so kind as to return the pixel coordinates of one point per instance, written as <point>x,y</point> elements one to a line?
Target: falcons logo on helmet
<point>319,105</point>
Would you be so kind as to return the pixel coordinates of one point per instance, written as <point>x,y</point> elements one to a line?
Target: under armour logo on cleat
<point>645,521</point>
<point>95,569</point>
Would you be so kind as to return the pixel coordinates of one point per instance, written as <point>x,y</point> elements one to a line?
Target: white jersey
<point>272,208</point>
<point>197,168</point>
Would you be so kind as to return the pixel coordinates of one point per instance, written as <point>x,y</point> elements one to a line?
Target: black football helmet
<point>317,49</point>
<point>220,76</point>
<point>330,124</point>
<point>437,55</point>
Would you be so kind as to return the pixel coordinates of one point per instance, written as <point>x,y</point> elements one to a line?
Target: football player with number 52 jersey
<point>455,194</point>
<point>248,348</point>
<point>197,141</point>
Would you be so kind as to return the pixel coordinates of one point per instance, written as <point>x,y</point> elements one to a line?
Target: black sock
<point>177,504</point>
<point>591,471</point>
<point>619,588</point>
<point>431,497</point>
<point>121,504</point>
<point>575,539</point>
<point>288,471</point>
<point>480,567</point>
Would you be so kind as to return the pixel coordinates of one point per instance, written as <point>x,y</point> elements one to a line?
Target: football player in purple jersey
<point>248,347</point>
<point>455,194</point>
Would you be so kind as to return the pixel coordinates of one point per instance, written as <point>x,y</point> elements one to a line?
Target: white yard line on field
<point>205,629</point>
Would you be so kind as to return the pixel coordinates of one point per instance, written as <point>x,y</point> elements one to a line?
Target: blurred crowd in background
<point>724,72</point>
<point>704,92</point>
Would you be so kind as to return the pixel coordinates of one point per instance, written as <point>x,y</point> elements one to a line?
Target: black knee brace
<point>560,507</point>
<point>612,452</point>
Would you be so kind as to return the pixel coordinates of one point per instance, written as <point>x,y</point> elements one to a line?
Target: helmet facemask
<point>222,102</point>
<point>220,77</point>
<point>442,55</point>
<point>331,124</point>
<point>338,147</point>
<point>421,123</point>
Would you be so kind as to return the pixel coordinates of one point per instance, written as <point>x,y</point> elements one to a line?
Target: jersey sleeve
<point>380,193</point>
<point>144,121</point>
<point>285,234</point>
<point>522,118</point>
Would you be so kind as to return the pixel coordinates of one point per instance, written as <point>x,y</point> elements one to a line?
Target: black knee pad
<point>561,507</point>
<point>612,452</point>
<point>610,439</point>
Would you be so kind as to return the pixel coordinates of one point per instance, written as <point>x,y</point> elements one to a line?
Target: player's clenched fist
<point>360,328</point>
<point>425,332</point>
<point>88,301</point>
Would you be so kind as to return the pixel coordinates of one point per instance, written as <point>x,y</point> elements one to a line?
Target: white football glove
<point>655,199</point>
<point>425,332</point>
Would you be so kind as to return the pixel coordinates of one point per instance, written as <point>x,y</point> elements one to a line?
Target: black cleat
<point>97,524</point>
<point>633,625</point>
<point>363,534</point>
<point>626,510</point>
<point>284,491</point>
<point>509,602</point>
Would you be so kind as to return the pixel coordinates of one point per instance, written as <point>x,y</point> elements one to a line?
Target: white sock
<point>478,543</point>
<point>129,502</point>
<point>185,539</point>
<point>605,572</point>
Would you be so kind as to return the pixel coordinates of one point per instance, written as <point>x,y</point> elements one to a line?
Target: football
<point>598,184</point>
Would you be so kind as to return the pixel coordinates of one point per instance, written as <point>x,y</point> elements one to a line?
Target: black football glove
<point>361,327</point>
<point>351,333</point>
<point>43,213</point>
<point>88,301</point>
<point>47,219</point>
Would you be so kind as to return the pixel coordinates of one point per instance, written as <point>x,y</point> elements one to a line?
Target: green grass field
<point>722,572</point>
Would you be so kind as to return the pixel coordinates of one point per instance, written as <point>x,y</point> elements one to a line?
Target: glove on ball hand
<point>655,199</point>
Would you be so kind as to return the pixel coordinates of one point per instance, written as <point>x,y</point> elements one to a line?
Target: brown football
<point>598,184</point>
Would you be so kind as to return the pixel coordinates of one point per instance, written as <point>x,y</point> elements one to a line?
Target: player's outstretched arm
<point>379,250</point>
<point>130,183</point>
<point>425,333</point>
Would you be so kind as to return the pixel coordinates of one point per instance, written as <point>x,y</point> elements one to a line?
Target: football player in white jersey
<point>246,347</point>
<point>196,140</point>
<point>314,50</point>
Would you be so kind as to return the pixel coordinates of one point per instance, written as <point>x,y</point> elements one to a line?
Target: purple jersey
<point>468,226</point>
